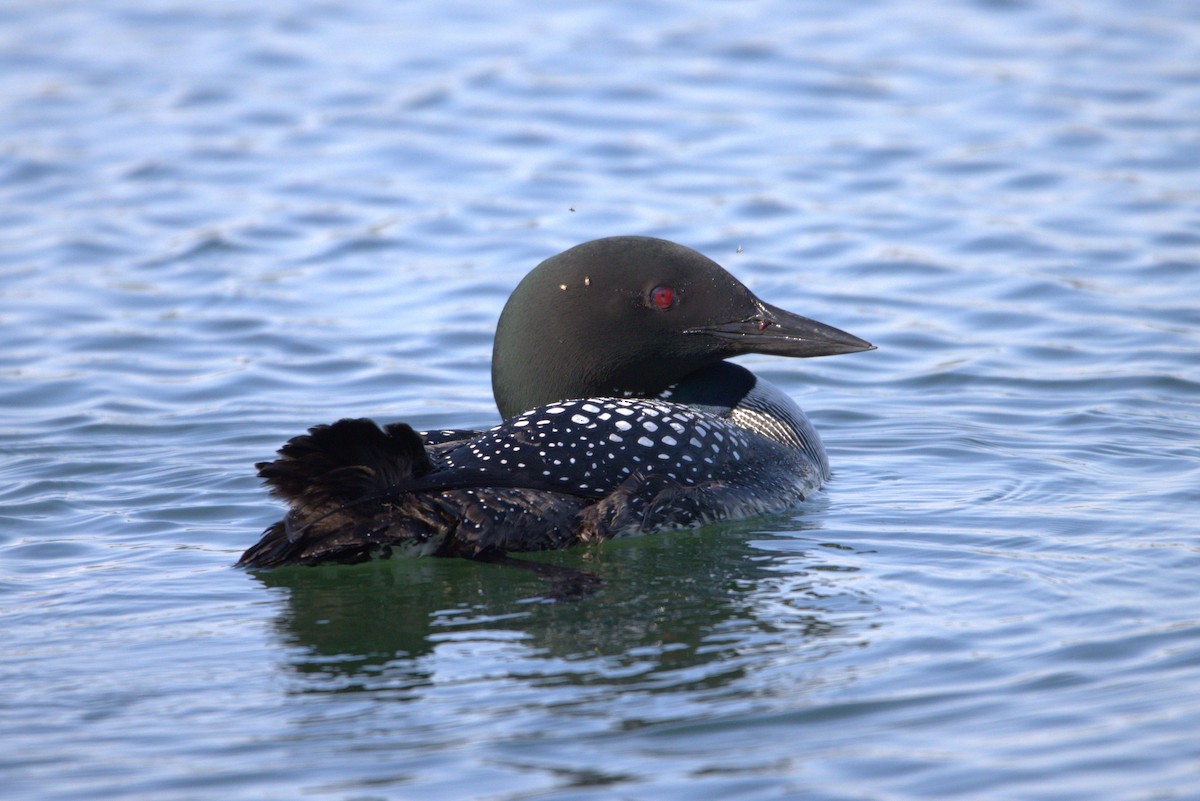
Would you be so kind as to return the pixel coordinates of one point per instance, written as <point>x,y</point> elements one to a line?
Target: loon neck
<point>719,386</point>
<point>730,391</point>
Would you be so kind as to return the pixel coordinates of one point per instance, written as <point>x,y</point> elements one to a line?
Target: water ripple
<point>224,223</point>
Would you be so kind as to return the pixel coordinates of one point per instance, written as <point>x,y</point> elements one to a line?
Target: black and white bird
<point>620,417</point>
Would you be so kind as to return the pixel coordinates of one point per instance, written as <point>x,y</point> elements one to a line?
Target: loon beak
<point>776,331</point>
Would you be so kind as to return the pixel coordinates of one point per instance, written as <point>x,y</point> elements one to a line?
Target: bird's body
<point>620,418</point>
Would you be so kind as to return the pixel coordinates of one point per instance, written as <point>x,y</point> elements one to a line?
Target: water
<point>222,223</point>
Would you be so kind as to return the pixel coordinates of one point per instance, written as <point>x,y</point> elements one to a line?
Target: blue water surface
<point>221,223</point>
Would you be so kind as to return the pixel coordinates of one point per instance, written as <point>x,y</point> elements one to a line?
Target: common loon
<point>620,417</point>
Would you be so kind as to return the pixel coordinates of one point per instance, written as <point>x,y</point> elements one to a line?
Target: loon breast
<point>768,411</point>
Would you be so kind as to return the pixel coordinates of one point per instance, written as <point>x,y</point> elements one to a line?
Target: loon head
<point>630,316</point>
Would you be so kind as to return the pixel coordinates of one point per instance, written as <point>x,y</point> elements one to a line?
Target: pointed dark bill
<point>777,331</point>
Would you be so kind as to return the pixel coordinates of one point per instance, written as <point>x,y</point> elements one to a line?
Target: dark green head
<point>631,315</point>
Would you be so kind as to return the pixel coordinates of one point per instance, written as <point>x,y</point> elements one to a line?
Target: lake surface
<point>223,223</point>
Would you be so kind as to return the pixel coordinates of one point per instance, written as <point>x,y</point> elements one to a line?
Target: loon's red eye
<point>662,297</point>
